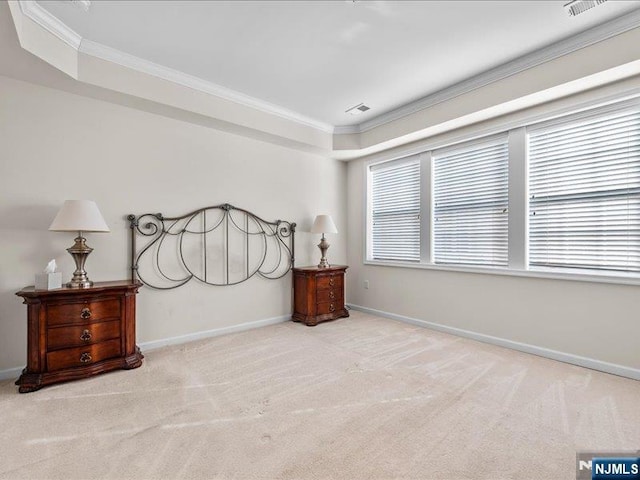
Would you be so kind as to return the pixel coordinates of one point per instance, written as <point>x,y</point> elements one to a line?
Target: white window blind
<point>471,193</point>
<point>584,188</point>
<point>395,207</point>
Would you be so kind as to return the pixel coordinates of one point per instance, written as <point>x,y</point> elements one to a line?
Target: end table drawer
<point>83,356</point>
<point>328,307</point>
<point>325,282</point>
<point>84,312</point>
<point>328,295</point>
<point>63,337</point>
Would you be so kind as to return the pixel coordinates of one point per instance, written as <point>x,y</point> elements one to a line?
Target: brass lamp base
<point>80,251</point>
<point>323,246</point>
<point>79,284</point>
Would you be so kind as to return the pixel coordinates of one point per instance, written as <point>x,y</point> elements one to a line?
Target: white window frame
<point>518,204</point>
<point>414,159</point>
<point>597,114</point>
<point>467,146</point>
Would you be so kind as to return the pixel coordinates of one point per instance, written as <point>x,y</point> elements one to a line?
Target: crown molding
<point>50,23</point>
<point>46,20</point>
<point>346,129</point>
<point>109,54</point>
<point>596,34</point>
<point>576,42</point>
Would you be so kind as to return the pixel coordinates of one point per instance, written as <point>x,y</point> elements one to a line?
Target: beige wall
<point>58,146</point>
<point>594,320</point>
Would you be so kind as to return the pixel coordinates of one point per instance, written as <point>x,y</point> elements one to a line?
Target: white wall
<point>58,146</point>
<point>593,320</point>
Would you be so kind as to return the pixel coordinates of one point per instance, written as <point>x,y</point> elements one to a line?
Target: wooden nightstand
<point>318,294</point>
<point>75,333</point>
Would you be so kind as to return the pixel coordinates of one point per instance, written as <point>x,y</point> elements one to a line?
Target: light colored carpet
<point>359,398</point>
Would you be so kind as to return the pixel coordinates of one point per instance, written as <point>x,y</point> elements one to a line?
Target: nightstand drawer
<point>85,312</point>
<point>63,337</point>
<point>332,295</point>
<point>325,282</point>
<point>83,356</point>
<point>328,307</point>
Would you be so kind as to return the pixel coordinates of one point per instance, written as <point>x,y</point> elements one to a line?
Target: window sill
<point>554,274</point>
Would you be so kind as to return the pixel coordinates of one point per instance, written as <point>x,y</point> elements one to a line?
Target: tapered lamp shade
<point>324,224</point>
<point>79,216</point>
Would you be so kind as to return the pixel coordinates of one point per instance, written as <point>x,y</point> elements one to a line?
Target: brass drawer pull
<point>86,336</point>
<point>331,282</point>
<point>85,313</point>
<point>85,357</point>
<point>332,307</point>
<point>332,295</point>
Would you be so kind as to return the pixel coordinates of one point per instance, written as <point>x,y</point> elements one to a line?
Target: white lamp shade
<point>79,216</point>
<point>324,224</point>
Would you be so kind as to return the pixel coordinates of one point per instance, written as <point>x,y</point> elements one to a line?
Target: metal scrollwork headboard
<point>219,245</point>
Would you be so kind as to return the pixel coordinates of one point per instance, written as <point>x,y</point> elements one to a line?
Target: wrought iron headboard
<point>181,248</point>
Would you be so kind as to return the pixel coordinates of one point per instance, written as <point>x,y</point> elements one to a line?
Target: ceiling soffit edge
<point>118,57</point>
<point>595,34</point>
<point>42,17</point>
<point>614,27</point>
<point>50,23</point>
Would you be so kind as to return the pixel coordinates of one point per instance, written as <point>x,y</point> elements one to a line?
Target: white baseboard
<point>10,373</point>
<point>14,373</point>
<point>216,332</point>
<point>591,363</point>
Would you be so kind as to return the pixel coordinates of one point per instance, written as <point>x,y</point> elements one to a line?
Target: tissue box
<point>48,281</point>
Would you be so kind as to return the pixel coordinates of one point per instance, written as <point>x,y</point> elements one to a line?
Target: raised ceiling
<point>318,58</point>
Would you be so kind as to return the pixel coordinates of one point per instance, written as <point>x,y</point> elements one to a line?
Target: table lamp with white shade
<point>323,224</point>
<point>79,216</point>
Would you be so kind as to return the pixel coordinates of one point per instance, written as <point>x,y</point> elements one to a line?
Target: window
<point>556,198</point>
<point>584,185</point>
<point>395,211</point>
<point>471,193</point>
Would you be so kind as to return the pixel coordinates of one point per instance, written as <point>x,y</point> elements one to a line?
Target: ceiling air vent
<point>358,109</point>
<point>576,7</point>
